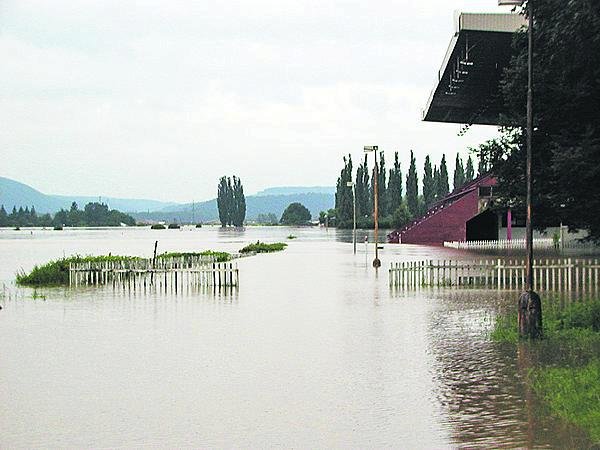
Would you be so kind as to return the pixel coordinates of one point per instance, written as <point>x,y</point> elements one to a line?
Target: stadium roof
<point>467,89</point>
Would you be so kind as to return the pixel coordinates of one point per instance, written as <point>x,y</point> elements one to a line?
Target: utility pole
<point>375,149</point>
<point>530,304</point>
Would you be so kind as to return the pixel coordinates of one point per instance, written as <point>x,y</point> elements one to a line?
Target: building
<point>463,215</point>
<point>467,92</point>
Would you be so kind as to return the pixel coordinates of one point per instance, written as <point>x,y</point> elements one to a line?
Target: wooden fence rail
<point>141,273</point>
<point>549,274</point>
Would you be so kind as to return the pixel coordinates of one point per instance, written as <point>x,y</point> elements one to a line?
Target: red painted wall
<point>450,223</point>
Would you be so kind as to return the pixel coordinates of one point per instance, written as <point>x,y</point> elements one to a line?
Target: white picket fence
<point>519,244</point>
<point>164,273</point>
<point>501,244</point>
<point>549,274</point>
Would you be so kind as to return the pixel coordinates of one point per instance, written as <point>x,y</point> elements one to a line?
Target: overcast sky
<point>157,99</point>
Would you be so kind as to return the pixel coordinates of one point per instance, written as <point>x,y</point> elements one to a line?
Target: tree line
<point>231,201</point>
<point>94,214</point>
<point>400,200</point>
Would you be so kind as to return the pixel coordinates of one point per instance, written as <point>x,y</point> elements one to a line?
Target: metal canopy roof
<point>467,89</point>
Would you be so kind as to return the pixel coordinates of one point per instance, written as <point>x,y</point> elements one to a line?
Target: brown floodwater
<point>313,349</point>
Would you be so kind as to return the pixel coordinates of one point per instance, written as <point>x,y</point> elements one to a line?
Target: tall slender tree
<point>238,214</point>
<point>412,187</point>
<point>343,195</point>
<point>364,201</point>
<point>222,201</point>
<point>428,183</point>
<point>442,186</point>
<point>469,171</point>
<point>394,190</point>
<point>459,173</point>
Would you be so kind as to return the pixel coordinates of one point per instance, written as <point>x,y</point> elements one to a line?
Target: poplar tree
<point>394,189</point>
<point>364,201</point>
<point>428,183</point>
<point>381,186</point>
<point>343,195</point>
<point>442,186</point>
<point>459,173</point>
<point>412,187</point>
<point>469,172</point>
<point>238,214</point>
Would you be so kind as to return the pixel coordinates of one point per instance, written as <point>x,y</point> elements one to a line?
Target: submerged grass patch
<point>572,387</point>
<point>573,393</point>
<point>56,272</point>
<point>219,256</point>
<point>262,247</point>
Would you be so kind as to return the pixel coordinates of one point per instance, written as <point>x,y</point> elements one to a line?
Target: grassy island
<point>219,256</point>
<point>570,384</point>
<point>262,247</point>
<point>56,273</point>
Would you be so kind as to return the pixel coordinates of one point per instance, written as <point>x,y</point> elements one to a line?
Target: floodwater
<point>312,350</point>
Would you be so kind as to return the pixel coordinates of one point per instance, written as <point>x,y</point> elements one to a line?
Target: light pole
<point>375,149</point>
<point>352,184</point>
<point>530,305</point>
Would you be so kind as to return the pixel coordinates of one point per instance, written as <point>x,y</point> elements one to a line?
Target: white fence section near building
<point>519,244</point>
<point>549,274</point>
<point>161,273</point>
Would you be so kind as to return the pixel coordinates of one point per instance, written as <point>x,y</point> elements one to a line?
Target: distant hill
<point>289,190</point>
<point>255,205</point>
<point>13,193</point>
<point>272,200</point>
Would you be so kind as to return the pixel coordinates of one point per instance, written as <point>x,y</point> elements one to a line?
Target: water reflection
<point>482,385</point>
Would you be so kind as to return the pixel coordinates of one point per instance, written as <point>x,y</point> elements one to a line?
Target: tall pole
<point>354,211</point>
<point>528,227</point>
<point>530,304</point>
<point>376,261</point>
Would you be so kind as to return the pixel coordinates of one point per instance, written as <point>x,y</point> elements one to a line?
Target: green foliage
<point>219,256</point>
<point>582,318</point>
<point>412,187</point>
<point>394,189</point>
<point>381,187</point>
<point>267,219</point>
<point>231,202</point>
<point>364,197</point>
<point>157,226</point>
<point>469,171</point>
<point>343,194</point>
<point>573,393</point>
<point>57,272</point>
<point>93,215</point>
<point>296,214</point>
<point>566,139</point>
<point>428,183</point>
<point>459,173</point>
<point>291,236</point>
<point>262,247</point>
<point>174,226</point>
<point>442,186</point>
<point>402,216</point>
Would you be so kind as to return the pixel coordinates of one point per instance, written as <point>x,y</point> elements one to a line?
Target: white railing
<point>549,274</point>
<point>501,244</point>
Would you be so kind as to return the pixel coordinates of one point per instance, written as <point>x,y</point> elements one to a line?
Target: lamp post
<point>530,305</point>
<point>352,184</point>
<point>375,149</point>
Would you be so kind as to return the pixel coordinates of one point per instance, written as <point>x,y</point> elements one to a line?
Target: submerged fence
<point>162,272</point>
<point>519,244</point>
<point>549,274</point>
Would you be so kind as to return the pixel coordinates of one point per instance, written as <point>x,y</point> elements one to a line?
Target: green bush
<point>56,272</point>
<point>219,256</point>
<point>157,226</point>
<point>261,247</point>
